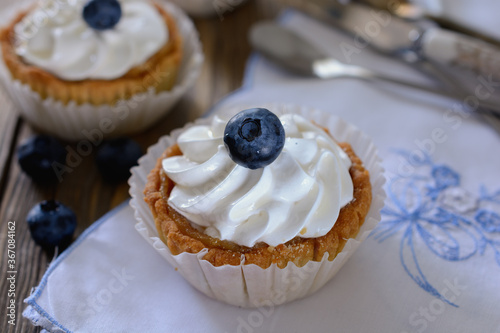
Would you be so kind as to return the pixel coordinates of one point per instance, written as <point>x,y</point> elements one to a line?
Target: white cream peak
<point>300,194</point>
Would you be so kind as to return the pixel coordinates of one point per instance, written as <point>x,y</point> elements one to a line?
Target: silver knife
<point>411,40</point>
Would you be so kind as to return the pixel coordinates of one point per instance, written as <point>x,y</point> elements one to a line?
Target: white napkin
<point>432,266</point>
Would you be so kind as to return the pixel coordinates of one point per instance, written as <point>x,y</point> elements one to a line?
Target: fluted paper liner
<point>75,122</point>
<point>251,285</point>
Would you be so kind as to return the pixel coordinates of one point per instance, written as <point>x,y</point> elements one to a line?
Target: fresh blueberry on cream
<point>102,14</point>
<point>254,138</point>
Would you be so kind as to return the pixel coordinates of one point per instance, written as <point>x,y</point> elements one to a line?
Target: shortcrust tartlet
<point>158,71</point>
<point>180,235</point>
<point>71,72</point>
<point>252,234</point>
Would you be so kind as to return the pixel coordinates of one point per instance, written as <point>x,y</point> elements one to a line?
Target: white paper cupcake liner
<point>250,285</point>
<point>75,122</point>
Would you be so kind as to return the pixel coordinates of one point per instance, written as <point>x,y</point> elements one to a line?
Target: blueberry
<point>51,224</point>
<point>115,158</point>
<point>102,14</point>
<point>254,138</point>
<point>37,155</point>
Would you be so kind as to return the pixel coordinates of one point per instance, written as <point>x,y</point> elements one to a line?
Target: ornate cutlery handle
<point>462,52</point>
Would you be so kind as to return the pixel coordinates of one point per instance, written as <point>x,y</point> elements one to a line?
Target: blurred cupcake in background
<point>73,67</point>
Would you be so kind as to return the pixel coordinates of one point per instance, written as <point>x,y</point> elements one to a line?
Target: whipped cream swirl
<point>56,38</point>
<point>299,194</point>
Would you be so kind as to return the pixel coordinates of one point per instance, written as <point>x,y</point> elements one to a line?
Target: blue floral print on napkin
<point>430,207</point>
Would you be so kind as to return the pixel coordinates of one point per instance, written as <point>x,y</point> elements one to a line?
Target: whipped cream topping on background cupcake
<point>66,46</point>
<point>300,194</point>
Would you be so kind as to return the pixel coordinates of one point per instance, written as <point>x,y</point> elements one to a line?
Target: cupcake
<point>243,205</point>
<point>70,64</point>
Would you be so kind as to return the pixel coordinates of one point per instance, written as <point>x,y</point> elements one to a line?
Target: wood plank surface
<point>226,50</point>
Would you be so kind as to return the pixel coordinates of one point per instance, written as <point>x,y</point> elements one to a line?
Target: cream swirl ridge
<point>300,194</point>
<point>64,45</point>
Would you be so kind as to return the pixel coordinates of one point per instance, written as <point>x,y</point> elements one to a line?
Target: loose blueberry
<point>116,157</point>
<point>102,14</point>
<point>51,224</point>
<point>254,138</point>
<point>37,156</point>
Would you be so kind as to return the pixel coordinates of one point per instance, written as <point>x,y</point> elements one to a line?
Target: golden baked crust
<point>178,234</point>
<point>160,72</point>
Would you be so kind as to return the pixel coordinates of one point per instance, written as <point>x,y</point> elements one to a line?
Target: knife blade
<point>410,40</point>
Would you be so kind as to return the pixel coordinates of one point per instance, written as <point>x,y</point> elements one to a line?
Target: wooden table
<point>226,50</point>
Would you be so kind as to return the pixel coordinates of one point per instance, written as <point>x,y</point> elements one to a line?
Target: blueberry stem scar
<point>250,129</point>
